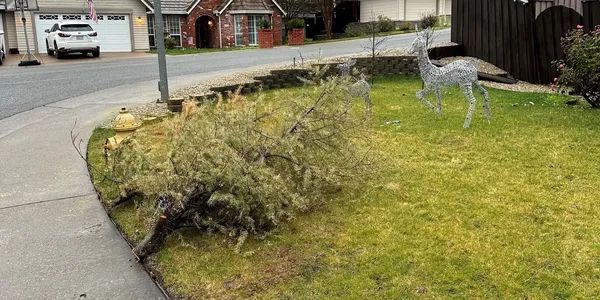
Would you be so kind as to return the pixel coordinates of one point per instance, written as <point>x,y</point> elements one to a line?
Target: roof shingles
<point>182,6</point>
<point>247,5</point>
<point>173,5</point>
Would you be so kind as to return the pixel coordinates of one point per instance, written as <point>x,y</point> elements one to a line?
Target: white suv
<point>72,36</point>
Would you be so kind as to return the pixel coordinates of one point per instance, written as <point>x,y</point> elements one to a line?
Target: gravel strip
<point>486,67</point>
<point>481,65</point>
<point>520,86</point>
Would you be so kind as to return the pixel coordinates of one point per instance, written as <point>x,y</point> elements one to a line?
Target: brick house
<point>216,23</point>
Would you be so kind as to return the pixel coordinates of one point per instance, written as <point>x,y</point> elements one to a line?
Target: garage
<point>114,30</point>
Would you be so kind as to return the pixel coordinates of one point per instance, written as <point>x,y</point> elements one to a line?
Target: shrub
<point>580,70</point>
<point>296,23</point>
<point>356,29</point>
<point>170,43</point>
<point>405,26</point>
<point>428,20</point>
<point>242,167</point>
<point>385,24</point>
<point>264,24</point>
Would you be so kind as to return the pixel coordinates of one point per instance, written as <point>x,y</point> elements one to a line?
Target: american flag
<point>92,11</point>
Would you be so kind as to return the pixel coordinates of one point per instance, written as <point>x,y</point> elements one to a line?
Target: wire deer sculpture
<point>460,72</point>
<point>361,88</point>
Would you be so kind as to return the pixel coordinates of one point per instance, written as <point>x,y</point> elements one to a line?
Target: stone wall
<point>383,65</point>
<point>286,78</point>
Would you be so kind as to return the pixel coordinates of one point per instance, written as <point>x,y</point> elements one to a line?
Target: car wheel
<point>1,58</point>
<point>59,54</point>
<point>50,52</point>
<point>96,53</point>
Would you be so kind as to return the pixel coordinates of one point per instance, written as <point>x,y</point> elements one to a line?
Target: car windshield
<point>76,27</point>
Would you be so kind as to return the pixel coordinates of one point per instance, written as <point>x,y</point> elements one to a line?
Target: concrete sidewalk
<point>56,241</point>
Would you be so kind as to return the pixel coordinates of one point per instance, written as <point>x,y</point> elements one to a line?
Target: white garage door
<point>114,31</point>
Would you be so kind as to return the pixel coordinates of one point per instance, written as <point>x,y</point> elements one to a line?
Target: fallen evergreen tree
<point>242,167</point>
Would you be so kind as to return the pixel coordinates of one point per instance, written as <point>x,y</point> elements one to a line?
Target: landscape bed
<point>501,210</point>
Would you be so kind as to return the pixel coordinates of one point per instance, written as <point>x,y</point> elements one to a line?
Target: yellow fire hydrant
<point>124,125</point>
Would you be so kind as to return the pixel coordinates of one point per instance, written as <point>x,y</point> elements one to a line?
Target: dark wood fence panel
<point>591,14</point>
<point>498,31</point>
<point>551,26</point>
<point>522,39</point>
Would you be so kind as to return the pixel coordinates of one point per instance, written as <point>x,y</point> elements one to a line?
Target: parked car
<point>2,48</point>
<point>70,37</point>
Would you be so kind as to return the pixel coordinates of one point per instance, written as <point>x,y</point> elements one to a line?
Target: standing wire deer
<point>460,72</point>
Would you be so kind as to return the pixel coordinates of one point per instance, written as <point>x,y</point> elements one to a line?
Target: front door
<point>204,29</point>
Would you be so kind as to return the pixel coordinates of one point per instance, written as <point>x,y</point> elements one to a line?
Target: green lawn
<point>502,210</point>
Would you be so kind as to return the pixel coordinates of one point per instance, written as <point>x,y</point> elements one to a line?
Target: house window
<point>239,35</point>
<point>172,28</point>
<point>100,18</point>
<point>48,17</point>
<point>253,21</point>
<point>71,17</point>
<point>151,32</point>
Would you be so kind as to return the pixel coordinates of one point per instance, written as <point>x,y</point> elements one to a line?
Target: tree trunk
<point>327,11</point>
<point>175,215</point>
<point>154,240</point>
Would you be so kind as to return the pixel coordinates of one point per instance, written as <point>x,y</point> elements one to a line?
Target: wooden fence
<point>521,38</point>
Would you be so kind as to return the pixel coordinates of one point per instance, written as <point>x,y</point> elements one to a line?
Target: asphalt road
<point>23,89</point>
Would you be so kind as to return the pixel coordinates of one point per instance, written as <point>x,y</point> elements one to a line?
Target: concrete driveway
<point>56,241</point>
<point>12,60</point>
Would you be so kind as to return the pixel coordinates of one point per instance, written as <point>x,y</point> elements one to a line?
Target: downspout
<point>273,29</point>
<point>220,33</point>
<point>405,6</point>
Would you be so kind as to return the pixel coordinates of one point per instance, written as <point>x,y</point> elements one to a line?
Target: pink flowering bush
<point>580,70</point>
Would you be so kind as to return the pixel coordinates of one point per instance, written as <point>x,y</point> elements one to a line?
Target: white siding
<point>393,9</point>
<point>10,32</point>
<point>134,8</point>
<point>21,32</point>
<point>139,20</point>
<point>415,9</point>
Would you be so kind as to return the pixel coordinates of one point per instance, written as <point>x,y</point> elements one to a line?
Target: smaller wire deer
<point>460,72</point>
<point>361,88</point>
